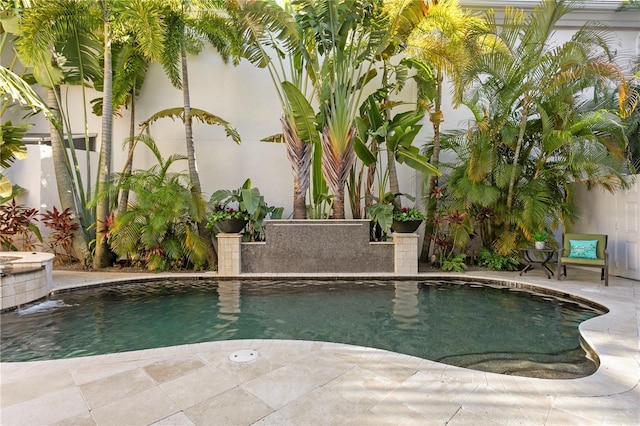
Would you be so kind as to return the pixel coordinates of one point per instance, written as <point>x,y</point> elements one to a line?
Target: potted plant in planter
<point>540,240</point>
<point>252,210</point>
<point>406,220</point>
<point>227,219</point>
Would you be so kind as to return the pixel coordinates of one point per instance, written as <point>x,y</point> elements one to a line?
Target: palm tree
<point>187,30</point>
<point>68,28</point>
<point>48,32</point>
<point>141,20</point>
<point>523,60</point>
<point>405,17</point>
<point>130,71</point>
<point>344,37</point>
<point>444,41</point>
<point>532,137</point>
<point>588,149</point>
<point>274,41</point>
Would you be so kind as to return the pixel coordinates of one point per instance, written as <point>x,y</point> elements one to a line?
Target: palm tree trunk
<point>432,185</point>
<point>196,188</point>
<point>516,155</point>
<point>394,186</point>
<point>336,165</point>
<point>102,255</point>
<point>371,175</point>
<point>66,189</point>
<point>128,165</point>
<point>299,154</point>
<point>354,185</point>
<point>338,205</point>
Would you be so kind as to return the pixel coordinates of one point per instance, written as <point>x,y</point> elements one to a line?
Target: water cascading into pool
<point>24,278</point>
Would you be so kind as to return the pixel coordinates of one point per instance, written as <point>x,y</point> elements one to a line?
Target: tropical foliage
<point>324,53</point>
<point>141,21</point>
<point>335,69</point>
<point>406,214</point>
<point>12,149</point>
<point>168,238</point>
<point>454,263</point>
<point>532,137</point>
<point>376,135</point>
<point>188,26</point>
<point>441,47</point>
<point>16,94</point>
<point>492,260</point>
<point>18,228</point>
<point>60,241</point>
<point>245,202</point>
<point>69,42</point>
<point>274,41</point>
<point>222,213</point>
<point>403,18</point>
<point>107,45</point>
<point>452,230</point>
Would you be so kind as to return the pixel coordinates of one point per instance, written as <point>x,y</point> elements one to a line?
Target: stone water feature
<point>24,277</point>
<point>317,246</point>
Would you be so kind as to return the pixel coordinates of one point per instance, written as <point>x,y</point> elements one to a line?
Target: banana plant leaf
<point>302,112</point>
<point>411,156</point>
<point>363,152</point>
<point>250,200</point>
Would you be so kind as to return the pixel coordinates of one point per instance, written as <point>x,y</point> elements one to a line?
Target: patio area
<point>316,383</point>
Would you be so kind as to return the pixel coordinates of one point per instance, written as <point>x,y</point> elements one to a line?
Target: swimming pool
<point>464,323</point>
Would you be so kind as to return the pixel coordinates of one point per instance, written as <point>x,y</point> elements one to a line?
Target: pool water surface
<point>468,324</point>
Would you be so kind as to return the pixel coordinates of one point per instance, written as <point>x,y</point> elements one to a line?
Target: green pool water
<point>468,324</point>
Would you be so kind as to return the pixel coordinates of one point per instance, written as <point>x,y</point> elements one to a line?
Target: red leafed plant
<point>62,226</point>
<point>18,230</point>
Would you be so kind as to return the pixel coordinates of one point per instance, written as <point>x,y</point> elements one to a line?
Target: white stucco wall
<point>618,216</point>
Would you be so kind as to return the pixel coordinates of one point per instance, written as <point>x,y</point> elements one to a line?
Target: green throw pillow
<point>583,249</point>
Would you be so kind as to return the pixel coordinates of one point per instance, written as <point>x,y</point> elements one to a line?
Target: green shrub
<point>158,230</point>
<point>454,264</point>
<point>497,262</point>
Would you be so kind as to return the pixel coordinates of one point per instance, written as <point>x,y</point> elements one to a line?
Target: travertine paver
<point>301,383</point>
<point>198,386</point>
<point>236,406</point>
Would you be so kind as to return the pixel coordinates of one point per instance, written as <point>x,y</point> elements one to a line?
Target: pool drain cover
<point>243,356</point>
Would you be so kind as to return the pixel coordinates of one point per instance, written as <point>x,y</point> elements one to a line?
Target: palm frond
<point>144,19</point>
<point>171,53</point>
<point>48,22</point>
<point>199,114</point>
<point>21,93</point>
<point>130,70</point>
<point>12,147</point>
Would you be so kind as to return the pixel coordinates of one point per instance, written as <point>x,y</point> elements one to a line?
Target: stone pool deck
<point>316,383</point>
